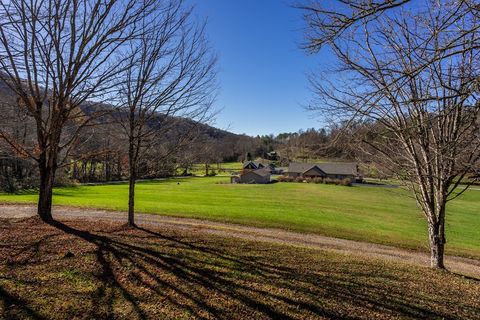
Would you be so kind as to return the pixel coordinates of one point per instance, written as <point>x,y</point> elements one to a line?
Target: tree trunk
<point>437,246</point>
<point>132,173</point>
<point>47,178</point>
<point>108,168</point>
<point>132,170</point>
<point>119,168</point>
<point>131,199</point>
<point>75,170</point>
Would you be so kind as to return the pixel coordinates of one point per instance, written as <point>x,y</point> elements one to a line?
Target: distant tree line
<point>100,153</point>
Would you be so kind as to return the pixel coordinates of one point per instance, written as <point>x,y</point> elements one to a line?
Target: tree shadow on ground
<point>26,311</point>
<point>149,274</point>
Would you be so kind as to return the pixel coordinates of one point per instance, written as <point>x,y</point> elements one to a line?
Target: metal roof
<point>340,168</point>
<point>263,172</point>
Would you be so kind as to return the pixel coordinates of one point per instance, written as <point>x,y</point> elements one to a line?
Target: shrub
<point>299,179</point>
<point>317,180</point>
<point>9,184</point>
<point>329,181</point>
<point>17,174</point>
<point>338,182</point>
<point>62,180</point>
<point>212,173</point>
<point>286,179</point>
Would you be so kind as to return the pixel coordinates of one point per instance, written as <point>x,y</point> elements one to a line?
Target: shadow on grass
<point>26,312</point>
<point>196,280</point>
<point>464,276</point>
<point>21,192</point>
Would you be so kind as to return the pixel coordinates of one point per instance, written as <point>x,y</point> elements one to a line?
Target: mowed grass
<point>372,214</point>
<point>224,168</point>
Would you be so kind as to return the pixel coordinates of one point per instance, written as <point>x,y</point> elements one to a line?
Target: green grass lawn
<point>232,165</point>
<point>224,168</point>
<point>372,214</point>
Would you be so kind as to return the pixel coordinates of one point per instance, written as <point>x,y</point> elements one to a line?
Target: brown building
<point>253,165</point>
<point>323,170</point>
<point>260,176</point>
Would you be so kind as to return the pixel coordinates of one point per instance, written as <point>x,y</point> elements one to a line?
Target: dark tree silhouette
<point>413,78</point>
<point>54,56</point>
<point>169,76</point>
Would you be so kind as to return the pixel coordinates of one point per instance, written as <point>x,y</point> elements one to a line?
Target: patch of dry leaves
<point>85,270</point>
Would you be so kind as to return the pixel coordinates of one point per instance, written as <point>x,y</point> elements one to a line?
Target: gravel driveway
<point>465,266</point>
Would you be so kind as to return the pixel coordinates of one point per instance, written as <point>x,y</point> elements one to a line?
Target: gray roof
<point>263,172</point>
<point>246,163</point>
<point>340,168</point>
<point>257,164</point>
<point>299,167</point>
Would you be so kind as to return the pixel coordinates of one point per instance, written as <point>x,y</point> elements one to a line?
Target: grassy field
<point>81,270</point>
<point>220,169</point>
<point>372,214</point>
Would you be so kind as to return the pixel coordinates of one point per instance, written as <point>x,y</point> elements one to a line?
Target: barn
<point>260,176</point>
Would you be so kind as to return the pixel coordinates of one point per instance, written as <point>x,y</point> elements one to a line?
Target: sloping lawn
<point>372,214</point>
<point>85,270</point>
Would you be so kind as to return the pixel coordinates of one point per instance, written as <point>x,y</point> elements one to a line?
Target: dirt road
<point>469,267</point>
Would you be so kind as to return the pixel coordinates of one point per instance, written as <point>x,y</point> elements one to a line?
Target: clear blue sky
<point>262,69</point>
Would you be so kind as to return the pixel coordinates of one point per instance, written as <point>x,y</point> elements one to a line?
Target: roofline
<point>315,166</point>
<point>257,173</point>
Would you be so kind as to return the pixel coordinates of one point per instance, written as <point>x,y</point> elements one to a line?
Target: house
<point>323,170</point>
<point>279,170</point>
<point>260,176</point>
<point>254,165</point>
<point>273,156</point>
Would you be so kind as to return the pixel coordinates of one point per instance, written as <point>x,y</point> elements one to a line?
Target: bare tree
<point>328,20</point>
<point>170,76</point>
<point>413,78</point>
<point>55,55</point>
